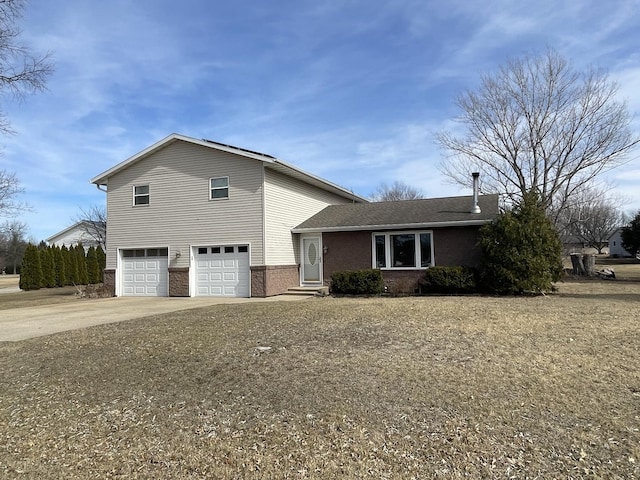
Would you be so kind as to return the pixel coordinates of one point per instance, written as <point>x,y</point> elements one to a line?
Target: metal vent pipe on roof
<point>475,208</point>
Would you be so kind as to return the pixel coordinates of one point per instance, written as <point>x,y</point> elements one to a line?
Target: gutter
<point>393,226</point>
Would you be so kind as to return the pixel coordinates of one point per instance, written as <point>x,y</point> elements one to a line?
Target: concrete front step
<point>308,291</point>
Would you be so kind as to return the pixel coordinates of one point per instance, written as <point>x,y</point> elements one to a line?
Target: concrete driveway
<point>29,322</point>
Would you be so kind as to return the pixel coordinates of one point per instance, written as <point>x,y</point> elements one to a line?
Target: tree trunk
<point>589,262</point>
<point>576,262</point>
<point>583,264</point>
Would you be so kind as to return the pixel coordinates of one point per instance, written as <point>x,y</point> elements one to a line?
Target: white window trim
<point>211,189</point>
<point>387,249</point>
<point>148,195</point>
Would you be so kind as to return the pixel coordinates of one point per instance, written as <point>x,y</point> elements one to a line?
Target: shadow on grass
<point>622,297</point>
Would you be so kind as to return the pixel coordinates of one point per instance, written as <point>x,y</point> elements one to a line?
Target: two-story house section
<point>189,217</point>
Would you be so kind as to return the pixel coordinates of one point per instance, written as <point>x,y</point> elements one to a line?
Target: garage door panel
<point>224,273</point>
<point>145,276</point>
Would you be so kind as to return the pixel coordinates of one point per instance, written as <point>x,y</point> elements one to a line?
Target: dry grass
<point>33,298</point>
<point>7,281</point>
<point>433,387</point>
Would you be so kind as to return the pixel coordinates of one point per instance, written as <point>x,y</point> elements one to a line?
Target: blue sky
<point>350,90</point>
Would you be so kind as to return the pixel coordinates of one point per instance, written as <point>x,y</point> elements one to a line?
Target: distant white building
<point>78,233</point>
<point>615,245</point>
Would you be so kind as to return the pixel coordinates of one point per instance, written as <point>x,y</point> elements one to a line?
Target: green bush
<point>61,275</point>
<point>359,282</point>
<point>521,250</point>
<point>31,271</point>
<point>47,263</point>
<point>449,280</point>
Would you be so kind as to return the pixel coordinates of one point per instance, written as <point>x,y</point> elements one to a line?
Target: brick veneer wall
<point>269,280</point>
<point>456,246</point>
<point>109,279</point>
<point>178,281</point>
<point>452,246</point>
<point>345,251</point>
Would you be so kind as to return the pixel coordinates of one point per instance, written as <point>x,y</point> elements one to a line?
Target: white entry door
<point>311,260</point>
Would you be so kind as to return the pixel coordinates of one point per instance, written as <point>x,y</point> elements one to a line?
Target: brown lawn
<point>431,387</point>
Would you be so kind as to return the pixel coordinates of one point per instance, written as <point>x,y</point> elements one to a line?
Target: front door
<point>311,261</point>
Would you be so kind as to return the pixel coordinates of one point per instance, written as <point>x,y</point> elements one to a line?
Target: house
<point>86,232</point>
<point>194,217</point>
<point>615,245</point>
<point>190,217</point>
<point>401,238</point>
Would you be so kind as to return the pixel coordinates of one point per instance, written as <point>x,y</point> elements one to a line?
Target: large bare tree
<point>10,190</point>
<point>396,191</point>
<point>21,71</point>
<point>538,124</point>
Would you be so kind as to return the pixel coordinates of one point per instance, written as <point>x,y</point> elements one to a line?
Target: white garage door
<point>222,271</point>
<point>145,272</point>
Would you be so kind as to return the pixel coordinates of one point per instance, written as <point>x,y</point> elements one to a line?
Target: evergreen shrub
<point>521,250</point>
<point>358,282</point>
<point>450,280</point>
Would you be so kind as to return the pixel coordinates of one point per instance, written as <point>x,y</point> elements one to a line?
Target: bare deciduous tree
<point>10,190</point>
<point>591,217</point>
<point>92,220</point>
<point>21,72</point>
<point>395,192</point>
<point>537,124</point>
<point>12,245</point>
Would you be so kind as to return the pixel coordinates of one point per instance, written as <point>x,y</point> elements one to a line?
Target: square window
<point>219,188</point>
<point>215,249</point>
<point>243,249</point>
<point>228,249</point>
<point>202,250</point>
<point>141,195</point>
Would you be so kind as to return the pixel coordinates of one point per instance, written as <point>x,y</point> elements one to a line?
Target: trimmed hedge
<point>450,280</point>
<point>358,282</point>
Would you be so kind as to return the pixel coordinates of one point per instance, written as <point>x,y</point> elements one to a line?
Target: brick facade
<point>270,280</point>
<point>109,279</point>
<point>453,246</point>
<point>178,281</point>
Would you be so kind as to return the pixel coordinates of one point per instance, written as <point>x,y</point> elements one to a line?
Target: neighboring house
<point>78,233</point>
<point>191,217</point>
<point>615,245</point>
<point>401,238</point>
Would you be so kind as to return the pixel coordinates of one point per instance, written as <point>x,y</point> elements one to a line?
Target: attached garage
<point>145,272</point>
<point>222,271</point>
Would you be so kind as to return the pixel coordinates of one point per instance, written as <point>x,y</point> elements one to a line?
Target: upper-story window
<point>219,188</point>
<point>141,195</point>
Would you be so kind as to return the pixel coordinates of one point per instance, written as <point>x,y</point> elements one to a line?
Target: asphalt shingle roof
<point>424,212</point>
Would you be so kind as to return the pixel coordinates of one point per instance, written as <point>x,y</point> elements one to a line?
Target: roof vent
<point>475,208</point>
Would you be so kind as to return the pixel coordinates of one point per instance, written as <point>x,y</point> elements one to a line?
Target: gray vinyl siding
<point>180,214</point>
<point>289,202</point>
